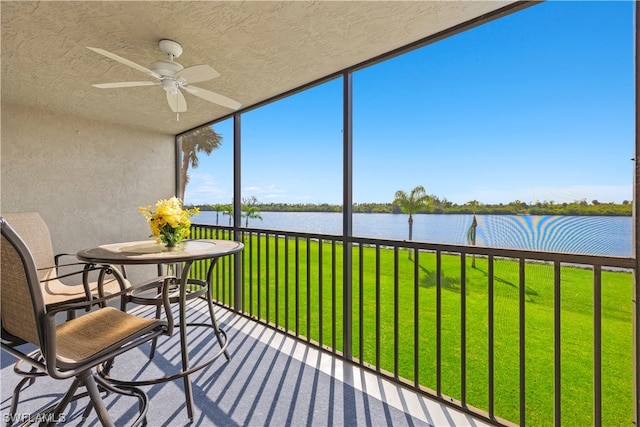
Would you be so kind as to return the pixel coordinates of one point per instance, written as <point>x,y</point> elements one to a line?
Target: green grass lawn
<point>302,264</point>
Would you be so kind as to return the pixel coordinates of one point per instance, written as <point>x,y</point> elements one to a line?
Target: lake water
<point>594,235</point>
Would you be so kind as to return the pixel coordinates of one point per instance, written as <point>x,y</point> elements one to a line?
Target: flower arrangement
<point>169,223</point>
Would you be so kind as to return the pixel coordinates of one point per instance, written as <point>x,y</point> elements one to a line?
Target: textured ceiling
<point>261,49</point>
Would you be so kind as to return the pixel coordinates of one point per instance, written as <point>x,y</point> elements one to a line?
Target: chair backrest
<point>21,299</point>
<point>34,232</point>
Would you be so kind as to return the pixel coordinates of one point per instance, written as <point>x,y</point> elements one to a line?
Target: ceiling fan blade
<point>124,61</point>
<point>124,84</point>
<point>216,98</point>
<point>198,73</point>
<point>176,101</point>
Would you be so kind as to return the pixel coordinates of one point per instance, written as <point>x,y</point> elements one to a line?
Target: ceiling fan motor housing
<point>166,68</point>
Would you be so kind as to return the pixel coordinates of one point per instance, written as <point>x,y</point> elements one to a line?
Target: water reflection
<point>573,234</point>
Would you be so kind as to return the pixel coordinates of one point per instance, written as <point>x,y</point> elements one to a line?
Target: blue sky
<point>535,106</point>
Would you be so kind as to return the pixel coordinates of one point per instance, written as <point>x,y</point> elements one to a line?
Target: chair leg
<point>15,398</point>
<point>106,366</point>
<point>87,411</point>
<point>89,382</point>
<point>215,324</point>
<point>154,342</point>
<point>94,384</point>
<point>143,400</point>
<point>29,377</point>
<point>68,397</point>
<point>152,352</point>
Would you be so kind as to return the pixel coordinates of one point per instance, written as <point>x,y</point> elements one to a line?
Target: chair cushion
<point>94,332</point>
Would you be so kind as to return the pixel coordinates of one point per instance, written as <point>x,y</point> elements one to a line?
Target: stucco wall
<point>86,178</point>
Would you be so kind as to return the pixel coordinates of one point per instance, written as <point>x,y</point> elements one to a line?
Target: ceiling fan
<point>173,78</point>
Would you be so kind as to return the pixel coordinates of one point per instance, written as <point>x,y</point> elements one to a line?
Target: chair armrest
<point>58,257</point>
<point>58,264</point>
<point>86,268</point>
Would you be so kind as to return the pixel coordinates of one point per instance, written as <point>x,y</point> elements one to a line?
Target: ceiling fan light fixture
<point>169,85</point>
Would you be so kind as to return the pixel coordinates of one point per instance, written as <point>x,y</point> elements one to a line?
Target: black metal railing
<point>508,335</point>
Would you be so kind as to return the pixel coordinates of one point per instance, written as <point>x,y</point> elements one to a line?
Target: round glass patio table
<point>185,254</point>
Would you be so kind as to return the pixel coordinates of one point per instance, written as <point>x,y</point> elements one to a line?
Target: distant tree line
<point>206,140</point>
<point>437,205</point>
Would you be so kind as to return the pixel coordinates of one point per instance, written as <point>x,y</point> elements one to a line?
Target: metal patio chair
<point>51,271</point>
<point>75,347</point>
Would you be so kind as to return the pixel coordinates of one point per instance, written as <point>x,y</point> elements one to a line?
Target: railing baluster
<point>439,323</point>
<point>277,282</point>
<point>286,283</point>
<point>224,283</point>
<point>597,345</point>
<point>267,265</point>
<point>463,329</point>
<point>250,302</point>
<point>320,294</point>
<point>377,308</point>
<point>557,344</point>
<point>259,269</point>
<point>396,302</point>
<point>333,296</point>
<point>416,320</point>
<point>219,282</point>
<point>521,328</point>
<point>297,285</point>
<point>308,297</point>
<point>361,304</point>
<point>491,326</point>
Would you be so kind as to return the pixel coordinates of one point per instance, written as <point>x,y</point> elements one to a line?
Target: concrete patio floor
<point>271,380</point>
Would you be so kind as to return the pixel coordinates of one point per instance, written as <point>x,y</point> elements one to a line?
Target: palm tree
<point>228,210</point>
<point>250,210</point>
<point>217,208</point>
<point>471,233</point>
<point>471,238</point>
<point>412,203</point>
<point>201,140</point>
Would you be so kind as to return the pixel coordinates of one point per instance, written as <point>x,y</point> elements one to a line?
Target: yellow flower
<point>169,222</point>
